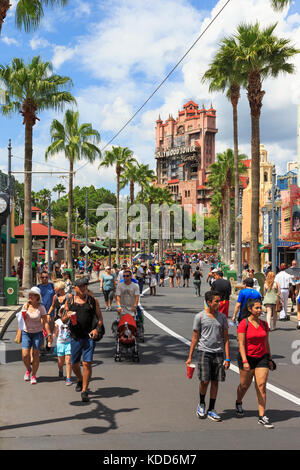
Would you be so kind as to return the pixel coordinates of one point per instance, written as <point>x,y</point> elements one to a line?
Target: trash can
<point>232,274</point>
<point>11,290</point>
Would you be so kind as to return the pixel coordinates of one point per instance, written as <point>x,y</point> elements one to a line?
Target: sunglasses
<point>127,275</point>
<point>44,277</point>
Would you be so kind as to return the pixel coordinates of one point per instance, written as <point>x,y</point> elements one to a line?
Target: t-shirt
<point>47,293</point>
<point>211,337</point>
<point>33,323</point>
<point>255,338</point>
<point>127,293</point>
<point>186,268</point>
<point>108,281</point>
<point>223,287</point>
<point>245,295</point>
<point>64,335</point>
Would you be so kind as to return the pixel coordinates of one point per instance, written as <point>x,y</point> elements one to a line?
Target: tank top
<point>86,318</point>
<point>271,296</point>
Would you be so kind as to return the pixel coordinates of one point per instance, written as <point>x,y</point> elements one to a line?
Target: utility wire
<point>161,84</point>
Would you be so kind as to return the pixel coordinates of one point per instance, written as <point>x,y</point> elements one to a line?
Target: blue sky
<point>117,52</point>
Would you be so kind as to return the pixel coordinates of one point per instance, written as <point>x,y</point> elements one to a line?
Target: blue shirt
<point>47,293</point>
<point>244,295</point>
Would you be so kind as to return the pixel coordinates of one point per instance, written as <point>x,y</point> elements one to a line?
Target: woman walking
<point>254,358</point>
<point>108,287</point>
<point>35,319</point>
<point>178,275</point>
<point>271,294</point>
<point>171,274</point>
<point>197,281</point>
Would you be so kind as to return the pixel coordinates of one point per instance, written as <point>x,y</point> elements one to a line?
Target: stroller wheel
<point>117,358</point>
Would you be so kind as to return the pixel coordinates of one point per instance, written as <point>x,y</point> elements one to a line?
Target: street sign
<point>86,249</point>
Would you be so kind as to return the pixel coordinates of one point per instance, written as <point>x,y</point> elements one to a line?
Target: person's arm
<point>51,309</point>
<point>46,326</point>
<point>101,284</point>
<point>227,349</point>
<point>236,310</point>
<point>242,349</point>
<point>194,343</point>
<point>94,332</point>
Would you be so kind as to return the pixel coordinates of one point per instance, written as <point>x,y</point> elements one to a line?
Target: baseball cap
<point>282,266</point>
<point>36,291</point>
<point>83,281</point>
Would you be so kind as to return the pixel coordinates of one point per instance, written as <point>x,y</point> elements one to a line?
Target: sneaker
<point>33,380</point>
<point>213,415</point>
<point>201,412</point>
<point>60,374</point>
<point>239,410</point>
<point>78,386</point>
<point>85,397</point>
<point>265,422</point>
<point>27,376</point>
<point>68,381</point>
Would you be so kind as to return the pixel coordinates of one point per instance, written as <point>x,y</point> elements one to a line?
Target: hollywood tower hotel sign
<point>185,148</point>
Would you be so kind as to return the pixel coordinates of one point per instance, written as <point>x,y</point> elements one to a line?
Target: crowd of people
<point>71,314</point>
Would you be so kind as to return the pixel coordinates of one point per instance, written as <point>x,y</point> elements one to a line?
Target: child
<point>63,349</point>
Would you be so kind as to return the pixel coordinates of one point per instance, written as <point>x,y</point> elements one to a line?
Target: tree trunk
<point>4,7</point>
<point>27,272</point>
<point>236,186</point>
<point>255,96</point>
<point>118,217</point>
<point>227,224</point>
<point>70,211</point>
<point>132,202</point>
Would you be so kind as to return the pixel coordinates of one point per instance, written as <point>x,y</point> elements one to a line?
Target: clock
<point>4,208</point>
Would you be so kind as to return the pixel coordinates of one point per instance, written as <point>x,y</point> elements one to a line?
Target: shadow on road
<point>100,412</point>
<point>275,416</point>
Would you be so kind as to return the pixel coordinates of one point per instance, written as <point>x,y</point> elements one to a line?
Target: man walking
<point>223,286</point>
<point>127,295</point>
<point>88,323</point>
<point>244,295</point>
<point>210,333</point>
<point>285,281</point>
<point>186,270</point>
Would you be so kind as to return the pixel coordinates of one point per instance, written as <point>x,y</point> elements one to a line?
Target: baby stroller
<point>127,339</point>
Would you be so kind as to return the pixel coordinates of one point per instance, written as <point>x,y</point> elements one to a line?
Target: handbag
<point>279,304</point>
<point>101,333</point>
<point>274,365</point>
<point>18,338</point>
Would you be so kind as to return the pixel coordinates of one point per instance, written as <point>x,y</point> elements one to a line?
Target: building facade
<point>185,148</point>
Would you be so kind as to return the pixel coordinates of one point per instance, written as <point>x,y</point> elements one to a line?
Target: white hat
<point>107,268</point>
<point>36,291</point>
<point>215,270</point>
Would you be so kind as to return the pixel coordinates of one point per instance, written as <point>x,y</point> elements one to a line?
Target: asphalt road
<point>151,404</point>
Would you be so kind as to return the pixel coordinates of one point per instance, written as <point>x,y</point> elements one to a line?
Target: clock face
<point>3,205</point>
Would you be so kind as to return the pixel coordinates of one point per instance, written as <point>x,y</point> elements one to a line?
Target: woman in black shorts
<point>254,358</point>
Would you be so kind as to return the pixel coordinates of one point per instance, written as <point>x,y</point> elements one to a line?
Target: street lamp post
<point>4,212</point>
<point>275,201</point>
<point>240,219</point>
<point>49,220</point>
<point>8,221</point>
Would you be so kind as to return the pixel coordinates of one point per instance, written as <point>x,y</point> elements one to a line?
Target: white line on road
<point>272,388</point>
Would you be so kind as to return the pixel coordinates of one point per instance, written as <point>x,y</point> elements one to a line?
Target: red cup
<point>24,314</point>
<point>190,370</point>
<point>74,318</point>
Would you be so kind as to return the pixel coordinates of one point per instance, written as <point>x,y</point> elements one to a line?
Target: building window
<point>265,177</point>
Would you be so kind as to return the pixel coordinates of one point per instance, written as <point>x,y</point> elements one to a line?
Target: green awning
<point>100,245</point>
<point>12,240</point>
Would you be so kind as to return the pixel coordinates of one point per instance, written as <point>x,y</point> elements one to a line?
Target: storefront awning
<point>12,240</point>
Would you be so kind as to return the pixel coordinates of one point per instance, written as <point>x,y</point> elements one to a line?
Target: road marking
<point>272,388</point>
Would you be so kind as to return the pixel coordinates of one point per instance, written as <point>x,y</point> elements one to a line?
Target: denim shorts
<point>62,349</point>
<point>30,340</point>
<point>82,348</point>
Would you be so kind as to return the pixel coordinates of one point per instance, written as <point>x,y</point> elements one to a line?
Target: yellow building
<point>265,185</point>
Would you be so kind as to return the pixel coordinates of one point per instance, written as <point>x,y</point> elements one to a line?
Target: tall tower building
<point>185,148</point>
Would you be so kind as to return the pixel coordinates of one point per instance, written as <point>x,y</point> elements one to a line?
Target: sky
<point>118,52</point>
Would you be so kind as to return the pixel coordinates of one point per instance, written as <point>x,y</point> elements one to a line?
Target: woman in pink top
<point>35,319</point>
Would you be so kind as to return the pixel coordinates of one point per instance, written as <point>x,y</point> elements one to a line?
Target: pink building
<point>185,148</point>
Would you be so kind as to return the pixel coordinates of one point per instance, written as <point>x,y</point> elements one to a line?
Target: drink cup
<point>190,370</point>
<point>74,318</point>
<point>24,314</point>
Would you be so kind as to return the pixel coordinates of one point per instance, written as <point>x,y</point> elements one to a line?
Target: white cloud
<point>38,43</point>
<point>10,41</point>
<point>61,55</point>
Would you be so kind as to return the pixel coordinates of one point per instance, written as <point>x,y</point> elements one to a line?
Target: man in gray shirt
<point>210,333</point>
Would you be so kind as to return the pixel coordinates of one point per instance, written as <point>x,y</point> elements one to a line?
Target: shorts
<point>108,295</point>
<point>32,340</point>
<point>82,348</point>
<point>224,307</point>
<point>211,367</point>
<point>62,349</point>
<point>255,362</point>
<point>186,277</point>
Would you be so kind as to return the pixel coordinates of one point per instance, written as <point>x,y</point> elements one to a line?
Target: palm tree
<point>120,158</point>
<point>59,189</point>
<point>150,197</point>
<point>222,178</point>
<point>30,89</point>
<point>42,198</point>
<point>259,54</point>
<point>223,76</point>
<point>77,142</point>
<point>28,12</point>
<point>280,4</point>
<point>130,175</point>
<point>144,177</point>
<point>163,196</point>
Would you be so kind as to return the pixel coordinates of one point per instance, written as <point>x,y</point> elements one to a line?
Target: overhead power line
<point>162,83</point>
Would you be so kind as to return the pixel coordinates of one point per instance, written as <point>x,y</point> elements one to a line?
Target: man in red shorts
<point>224,288</point>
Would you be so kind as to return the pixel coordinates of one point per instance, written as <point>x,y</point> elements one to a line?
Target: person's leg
<point>274,316</point>
<point>203,388</point>
<point>26,359</point>
<point>269,315</point>
<point>77,371</point>
<point>285,295</point>
<point>87,374</point>
<point>36,362</point>
<point>261,377</point>
<point>61,361</point>
<point>214,385</point>
<point>68,366</point>
<point>245,382</point>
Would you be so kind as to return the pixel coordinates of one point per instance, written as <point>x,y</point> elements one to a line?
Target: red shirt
<point>255,340</point>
